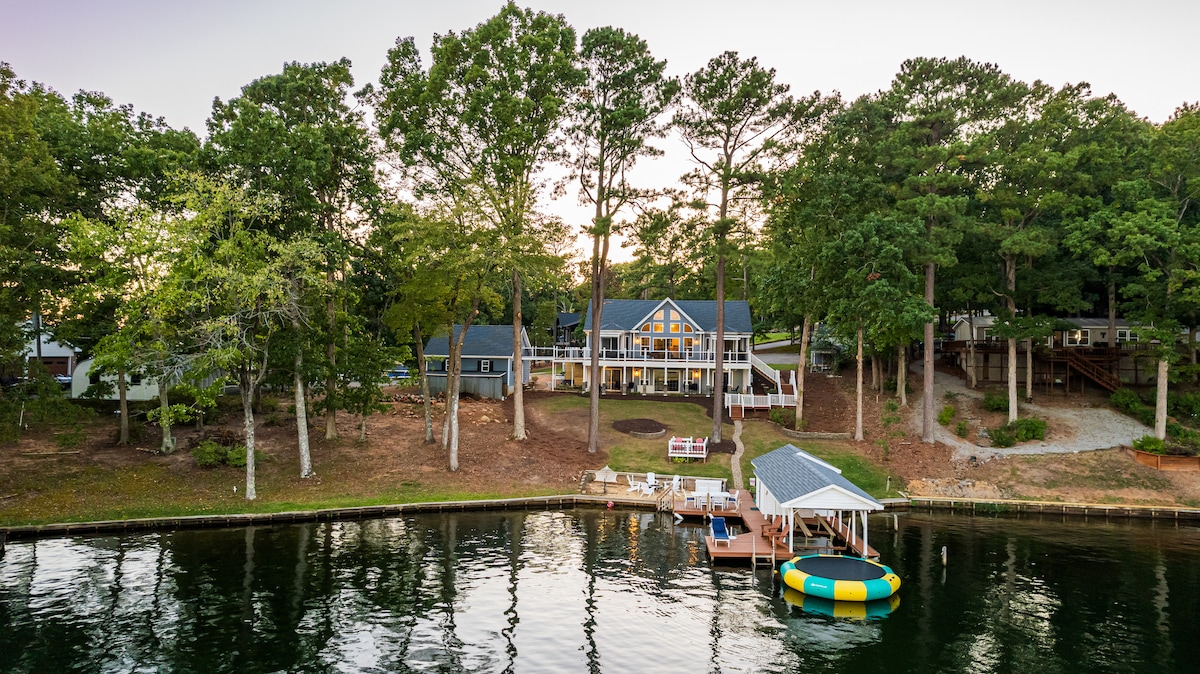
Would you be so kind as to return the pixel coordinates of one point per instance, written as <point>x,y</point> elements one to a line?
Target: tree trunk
<point>876,375</point>
<point>164,419</point>
<point>306,470</point>
<point>801,368</point>
<point>599,264</point>
<point>1112,311</point>
<point>1029,370</point>
<point>331,431</point>
<point>858,408</point>
<point>1160,403</point>
<point>902,374</point>
<point>973,374</point>
<point>719,367</point>
<point>123,406</point>
<point>927,416</point>
<point>247,390</point>
<point>427,403</point>
<point>1010,279</point>
<point>518,363</point>
<point>362,428</point>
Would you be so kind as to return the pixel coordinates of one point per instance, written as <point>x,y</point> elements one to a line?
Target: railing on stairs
<point>765,370</point>
<point>1093,371</point>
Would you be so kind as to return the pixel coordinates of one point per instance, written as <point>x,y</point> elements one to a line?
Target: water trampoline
<point>840,578</point>
<point>847,610</point>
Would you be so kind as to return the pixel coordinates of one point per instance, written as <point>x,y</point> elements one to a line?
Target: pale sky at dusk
<point>172,58</point>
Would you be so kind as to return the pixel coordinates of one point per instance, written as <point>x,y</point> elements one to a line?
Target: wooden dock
<point>765,541</point>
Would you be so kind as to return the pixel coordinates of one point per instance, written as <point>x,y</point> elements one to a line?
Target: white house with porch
<point>663,346</point>
<point>796,486</point>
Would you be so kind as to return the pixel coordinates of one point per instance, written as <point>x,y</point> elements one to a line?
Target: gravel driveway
<point>1084,428</point>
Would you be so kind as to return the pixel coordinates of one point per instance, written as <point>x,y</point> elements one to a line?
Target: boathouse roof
<point>797,479</point>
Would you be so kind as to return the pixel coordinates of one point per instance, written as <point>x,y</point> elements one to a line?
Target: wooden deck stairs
<point>1093,371</point>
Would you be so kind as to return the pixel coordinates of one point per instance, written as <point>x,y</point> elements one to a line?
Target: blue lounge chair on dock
<point>719,532</point>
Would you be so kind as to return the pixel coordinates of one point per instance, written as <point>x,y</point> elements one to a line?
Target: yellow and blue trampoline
<point>840,578</point>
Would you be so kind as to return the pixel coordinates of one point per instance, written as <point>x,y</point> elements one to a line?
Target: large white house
<point>663,346</point>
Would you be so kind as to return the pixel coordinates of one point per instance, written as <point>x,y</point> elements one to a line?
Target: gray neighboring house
<point>487,361</point>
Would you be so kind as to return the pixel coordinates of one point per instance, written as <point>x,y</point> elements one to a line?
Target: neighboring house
<point>59,359</point>
<point>1086,331</point>
<point>564,329</point>
<point>663,346</point>
<point>1071,356</point>
<point>487,361</point>
<point>139,387</point>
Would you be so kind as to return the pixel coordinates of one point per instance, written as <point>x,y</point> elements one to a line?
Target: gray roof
<point>565,319</point>
<point>494,341</point>
<point>628,314</point>
<point>790,473</point>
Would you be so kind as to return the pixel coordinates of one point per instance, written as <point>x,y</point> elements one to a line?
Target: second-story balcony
<point>584,354</point>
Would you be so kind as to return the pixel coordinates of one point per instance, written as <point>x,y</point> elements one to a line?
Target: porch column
<point>865,546</point>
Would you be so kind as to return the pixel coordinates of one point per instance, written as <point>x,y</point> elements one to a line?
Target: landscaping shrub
<point>1021,430</point>
<point>1187,438</point>
<point>996,402</point>
<point>1029,429</point>
<point>946,415</point>
<point>70,439</point>
<point>1125,401</point>
<point>1187,406</point>
<point>889,385</point>
<point>784,416</point>
<point>961,429</point>
<point>236,456</point>
<point>1145,415</point>
<point>1149,443</point>
<point>209,454</point>
<point>1002,437</point>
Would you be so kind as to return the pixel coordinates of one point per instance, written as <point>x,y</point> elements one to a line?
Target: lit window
<point>658,327</point>
<point>674,315</point>
<point>687,328</point>
<point>645,327</point>
<point>1078,337</point>
<point>674,327</point>
<point>658,315</point>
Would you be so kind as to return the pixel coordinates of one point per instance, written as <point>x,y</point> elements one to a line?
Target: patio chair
<point>633,484</point>
<point>732,501</point>
<point>652,482</point>
<point>676,484</point>
<point>719,532</point>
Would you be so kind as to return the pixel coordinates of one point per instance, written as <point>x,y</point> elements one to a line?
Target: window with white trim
<point>485,366</point>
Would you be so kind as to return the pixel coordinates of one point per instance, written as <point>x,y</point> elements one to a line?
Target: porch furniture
<point>719,532</point>
<point>687,448</point>
<point>633,484</point>
<point>676,485</point>
<point>652,482</point>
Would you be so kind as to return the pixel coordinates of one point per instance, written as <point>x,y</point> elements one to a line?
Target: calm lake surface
<point>593,591</point>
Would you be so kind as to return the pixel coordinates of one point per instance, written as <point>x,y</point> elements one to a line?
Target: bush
<point>1187,406</point>
<point>236,456</point>
<point>996,402</point>
<point>1029,429</point>
<point>1149,443</point>
<point>961,429</point>
<point>209,454</point>
<point>1145,415</point>
<point>1002,437</point>
<point>784,416</point>
<point>946,415</point>
<point>1021,430</point>
<point>889,385</point>
<point>1125,401</point>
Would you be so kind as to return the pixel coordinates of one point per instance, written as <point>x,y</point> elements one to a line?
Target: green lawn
<point>771,337</point>
<point>759,437</point>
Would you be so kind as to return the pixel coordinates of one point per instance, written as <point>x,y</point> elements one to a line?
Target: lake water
<point>594,591</point>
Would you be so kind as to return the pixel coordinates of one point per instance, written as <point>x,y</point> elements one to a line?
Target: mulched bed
<point>638,426</point>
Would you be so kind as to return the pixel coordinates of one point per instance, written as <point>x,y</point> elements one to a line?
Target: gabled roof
<point>629,314</point>
<point>790,474</point>
<point>488,341</point>
<point>565,320</point>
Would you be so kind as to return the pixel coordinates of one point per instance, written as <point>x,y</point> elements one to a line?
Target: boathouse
<point>798,487</point>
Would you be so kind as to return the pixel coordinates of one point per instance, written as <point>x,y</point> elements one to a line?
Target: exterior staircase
<point>1093,371</point>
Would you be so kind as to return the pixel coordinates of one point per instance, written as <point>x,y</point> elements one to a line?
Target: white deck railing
<point>583,354</point>
<point>764,369</point>
<point>759,401</point>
